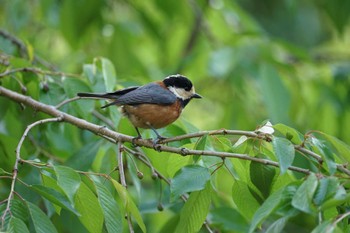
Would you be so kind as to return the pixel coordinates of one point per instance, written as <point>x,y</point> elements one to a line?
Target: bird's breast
<point>152,115</point>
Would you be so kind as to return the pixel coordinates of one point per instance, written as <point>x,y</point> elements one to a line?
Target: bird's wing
<point>151,94</point>
<point>110,95</point>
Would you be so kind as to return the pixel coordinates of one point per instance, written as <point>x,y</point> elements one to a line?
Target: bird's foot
<point>133,141</point>
<point>156,143</point>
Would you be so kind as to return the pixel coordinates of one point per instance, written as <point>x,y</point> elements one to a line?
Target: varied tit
<point>154,105</point>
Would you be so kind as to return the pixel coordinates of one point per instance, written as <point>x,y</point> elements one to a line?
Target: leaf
<point>342,148</point>
<point>110,208</point>
<point>327,188</point>
<point>284,151</point>
<point>327,226</point>
<point>195,210</point>
<point>69,180</point>
<point>16,225</point>
<point>240,145</point>
<point>175,163</point>
<point>201,143</point>
<point>326,153</point>
<point>130,206</point>
<point>109,75</point>
<point>190,178</point>
<point>229,219</point>
<point>302,199</point>
<point>244,200</point>
<point>54,196</point>
<point>291,134</point>
<point>275,95</point>
<point>19,210</point>
<point>87,204</point>
<point>82,159</point>
<point>42,223</point>
<point>262,177</point>
<point>339,198</point>
<point>268,207</point>
<point>278,225</point>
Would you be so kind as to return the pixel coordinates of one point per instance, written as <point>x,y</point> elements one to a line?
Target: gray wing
<point>151,94</point>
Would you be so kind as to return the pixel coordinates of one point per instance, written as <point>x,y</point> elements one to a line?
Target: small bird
<point>154,105</point>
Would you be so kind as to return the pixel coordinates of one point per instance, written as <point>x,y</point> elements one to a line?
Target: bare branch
<point>18,159</point>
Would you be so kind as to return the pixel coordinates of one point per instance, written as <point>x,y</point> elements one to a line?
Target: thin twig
<point>120,163</point>
<point>18,159</point>
<point>66,102</point>
<point>128,218</point>
<point>37,71</point>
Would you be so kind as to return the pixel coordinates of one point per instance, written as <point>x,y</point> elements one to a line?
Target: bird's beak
<point>195,95</point>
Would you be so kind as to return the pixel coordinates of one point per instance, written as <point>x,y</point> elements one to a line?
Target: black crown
<point>178,81</point>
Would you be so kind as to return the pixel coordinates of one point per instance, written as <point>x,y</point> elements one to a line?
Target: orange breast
<point>152,115</point>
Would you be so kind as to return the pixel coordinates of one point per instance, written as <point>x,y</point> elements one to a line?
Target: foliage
<point>251,60</point>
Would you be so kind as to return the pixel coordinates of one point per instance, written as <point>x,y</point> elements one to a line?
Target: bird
<point>151,106</point>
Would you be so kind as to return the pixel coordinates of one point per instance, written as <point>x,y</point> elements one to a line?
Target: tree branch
<point>115,136</point>
<point>17,161</point>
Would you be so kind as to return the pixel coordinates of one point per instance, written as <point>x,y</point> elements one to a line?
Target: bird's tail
<point>100,96</point>
<point>94,95</point>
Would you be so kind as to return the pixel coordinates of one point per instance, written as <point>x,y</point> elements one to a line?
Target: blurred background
<point>283,60</point>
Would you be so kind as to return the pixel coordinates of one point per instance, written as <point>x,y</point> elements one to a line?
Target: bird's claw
<point>133,141</point>
<point>156,142</point>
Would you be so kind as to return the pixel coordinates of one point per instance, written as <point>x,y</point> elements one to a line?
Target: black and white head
<point>181,87</point>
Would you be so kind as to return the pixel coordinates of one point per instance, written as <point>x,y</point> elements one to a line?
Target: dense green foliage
<point>251,60</point>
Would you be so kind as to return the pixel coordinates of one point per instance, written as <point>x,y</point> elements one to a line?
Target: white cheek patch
<point>181,93</point>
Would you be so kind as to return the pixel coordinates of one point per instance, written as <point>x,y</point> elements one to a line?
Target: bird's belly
<point>152,115</point>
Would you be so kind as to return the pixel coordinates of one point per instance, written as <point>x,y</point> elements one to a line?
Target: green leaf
<point>229,220</point>
<point>188,179</point>
<point>268,207</point>
<point>54,196</point>
<point>275,95</point>
<point>109,75</point>
<point>244,200</point>
<point>278,225</point>
<point>42,223</point>
<point>342,148</point>
<point>327,154</point>
<point>327,188</point>
<point>302,200</point>
<point>87,204</point>
<point>326,226</point>
<point>195,210</point>
<point>202,141</point>
<point>16,225</point>
<point>291,134</point>
<point>110,208</point>
<point>130,206</point>
<point>69,180</point>
<point>82,159</point>
<point>175,163</point>
<point>240,145</point>
<point>284,151</point>
<point>262,177</point>
<point>19,210</point>
<point>339,198</point>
